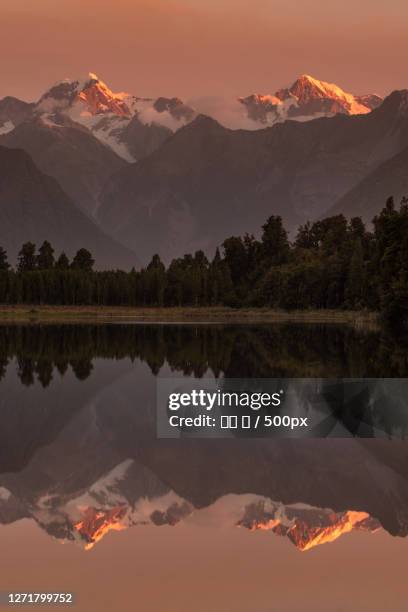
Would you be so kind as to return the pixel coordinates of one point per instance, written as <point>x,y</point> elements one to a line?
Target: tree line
<point>332,263</point>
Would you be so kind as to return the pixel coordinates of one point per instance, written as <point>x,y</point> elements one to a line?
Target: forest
<point>333,263</point>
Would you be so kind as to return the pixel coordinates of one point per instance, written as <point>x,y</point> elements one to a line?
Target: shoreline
<point>105,314</point>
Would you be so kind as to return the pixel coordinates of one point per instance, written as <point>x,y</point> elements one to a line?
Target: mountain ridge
<point>33,207</point>
<point>70,154</point>
<point>307,98</point>
<point>195,181</point>
<point>88,100</point>
<point>207,182</point>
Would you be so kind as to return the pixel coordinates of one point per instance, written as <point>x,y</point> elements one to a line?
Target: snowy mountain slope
<point>307,98</point>
<point>134,126</point>
<point>207,182</point>
<point>131,495</point>
<point>108,115</point>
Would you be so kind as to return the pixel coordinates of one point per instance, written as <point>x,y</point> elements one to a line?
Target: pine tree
<point>156,281</point>
<point>275,243</point>
<point>45,257</point>
<point>355,280</point>
<point>4,264</point>
<point>27,259</point>
<point>306,237</point>
<point>83,261</point>
<point>235,256</point>
<point>62,262</point>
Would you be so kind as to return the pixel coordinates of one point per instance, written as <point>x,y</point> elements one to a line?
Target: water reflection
<point>78,447</point>
<point>291,350</point>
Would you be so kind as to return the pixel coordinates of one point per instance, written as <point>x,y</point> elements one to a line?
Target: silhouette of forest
<point>332,263</point>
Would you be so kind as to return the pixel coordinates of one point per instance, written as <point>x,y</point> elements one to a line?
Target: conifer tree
<point>62,262</point>
<point>4,264</point>
<point>27,259</point>
<point>83,261</point>
<point>45,257</point>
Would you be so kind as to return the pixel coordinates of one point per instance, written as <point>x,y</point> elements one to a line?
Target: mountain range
<point>33,207</point>
<point>159,176</point>
<point>130,495</point>
<point>134,126</point>
<point>207,182</point>
<point>305,99</point>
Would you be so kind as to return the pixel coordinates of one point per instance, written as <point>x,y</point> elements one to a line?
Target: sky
<point>193,48</point>
<point>183,568</point>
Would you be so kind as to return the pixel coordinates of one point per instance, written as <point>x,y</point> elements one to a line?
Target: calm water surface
<point>220,525</point>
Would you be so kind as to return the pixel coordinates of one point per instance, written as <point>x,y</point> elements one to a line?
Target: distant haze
<point>193,48</point>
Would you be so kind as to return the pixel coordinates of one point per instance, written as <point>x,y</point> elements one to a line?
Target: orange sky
<point>192,48</point>
<point>184,569</point>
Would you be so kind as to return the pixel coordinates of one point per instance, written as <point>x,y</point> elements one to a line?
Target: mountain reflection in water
<point>78,447</point>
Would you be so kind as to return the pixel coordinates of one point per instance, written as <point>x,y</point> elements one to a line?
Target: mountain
<point>192,170</point>
<point>305,526</point>
<point>80,132</point>
<point>207,182</point>
<point>130,495</point>
<point>133,127</point>
<point>108,115</point>
<point>34,207</point>
<point>12,112</point>
<point>368,197</point>
<point>307,98</point>
<point>11,508</point>
<point>70,154</point>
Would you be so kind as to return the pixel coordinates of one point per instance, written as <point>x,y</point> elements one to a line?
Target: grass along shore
<point>44,313</point>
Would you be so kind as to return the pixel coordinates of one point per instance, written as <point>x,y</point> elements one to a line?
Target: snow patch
<point>49,122</point>
<point>151,115</point>
<point>5,494</point>
<point>7,127</point>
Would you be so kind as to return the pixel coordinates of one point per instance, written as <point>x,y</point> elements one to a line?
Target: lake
<point>154,524</point>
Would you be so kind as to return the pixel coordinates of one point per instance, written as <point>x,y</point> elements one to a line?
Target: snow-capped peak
<point>97,98</point>
<point>307,89</point>
<point>307,98</point>
<point>89,95</point>
<point>112,117</point>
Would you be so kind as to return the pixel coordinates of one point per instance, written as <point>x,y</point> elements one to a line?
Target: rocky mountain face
<point>80,132</point>
<point>132,496</point>
<point>389,178</point>
<point>306,99</point>
<point>34,207</point>
<point>196,182</point>
<point>207,182</point>
<point>90,103</point>
<point>367,198</point>
<point>70,154</point>
<point>12,112</point>
<point>108,115</point>
<point>305,526</point>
